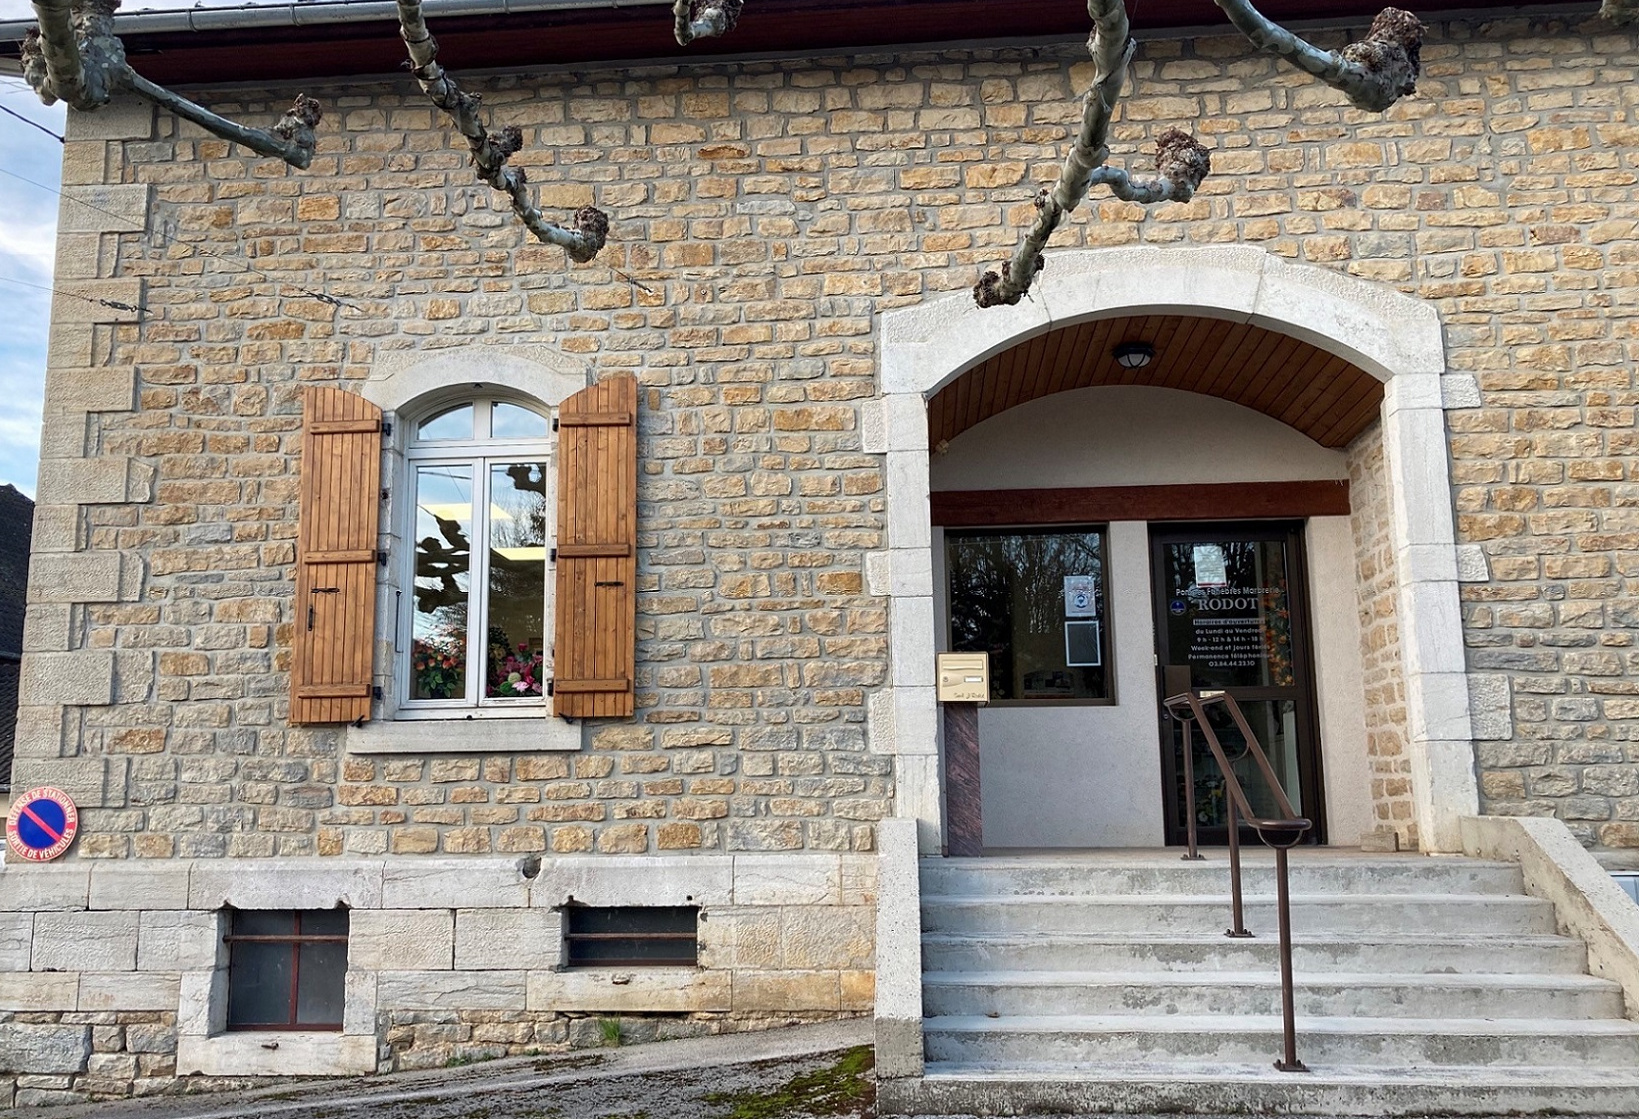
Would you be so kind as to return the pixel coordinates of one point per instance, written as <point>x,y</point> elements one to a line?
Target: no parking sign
<point>41,824</point>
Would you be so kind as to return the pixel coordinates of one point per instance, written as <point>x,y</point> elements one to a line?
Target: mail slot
<point>964,677</point>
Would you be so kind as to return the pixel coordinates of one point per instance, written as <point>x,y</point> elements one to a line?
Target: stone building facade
<point>770,217</point>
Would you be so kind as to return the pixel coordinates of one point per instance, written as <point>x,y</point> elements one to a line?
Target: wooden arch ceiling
<point>1327,398</point>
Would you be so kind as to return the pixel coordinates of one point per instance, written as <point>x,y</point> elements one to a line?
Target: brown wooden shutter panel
<point>335,631</point>
<point>596,603</point>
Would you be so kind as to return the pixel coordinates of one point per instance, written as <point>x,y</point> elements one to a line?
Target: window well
<point>632,936</point>
<point>286,969</point>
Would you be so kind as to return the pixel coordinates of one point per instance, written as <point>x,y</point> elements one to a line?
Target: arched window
<point>473,625</point>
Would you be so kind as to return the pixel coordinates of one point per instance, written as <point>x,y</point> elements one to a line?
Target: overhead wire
<point>113,303</point>
<point>32,124</point>
<point>321,296</point>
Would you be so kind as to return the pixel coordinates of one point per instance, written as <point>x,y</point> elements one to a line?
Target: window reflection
<point>443,560</point>
<point>517,580</point>
<point>1035,601</point>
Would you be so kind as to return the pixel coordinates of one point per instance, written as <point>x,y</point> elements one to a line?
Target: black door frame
<point>1311,778</point>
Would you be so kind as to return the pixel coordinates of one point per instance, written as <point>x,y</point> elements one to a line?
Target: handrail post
<point>1194,855</point>
<point>1237,905</point>
<point>1288,1010</point>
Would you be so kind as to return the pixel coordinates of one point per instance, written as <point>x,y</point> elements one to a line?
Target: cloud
<point>27,236</point>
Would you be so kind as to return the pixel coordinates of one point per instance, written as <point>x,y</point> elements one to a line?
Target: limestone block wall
<point>764,215</point>
<point>113,972</point>
<point>1387,757</point>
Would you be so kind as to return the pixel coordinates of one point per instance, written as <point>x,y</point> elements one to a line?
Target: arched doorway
<point>1264,370</point>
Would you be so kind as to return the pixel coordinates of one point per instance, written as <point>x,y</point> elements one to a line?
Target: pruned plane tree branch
<point>1373,74</point>
<point>490,152</point>
<point>75,57</point>
<point>703,19</point>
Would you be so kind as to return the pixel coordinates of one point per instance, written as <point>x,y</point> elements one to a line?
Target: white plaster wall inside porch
<point>1394,337</point>
<point>1090,776</point>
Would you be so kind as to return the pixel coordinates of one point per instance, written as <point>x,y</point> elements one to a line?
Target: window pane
<point>443,560</point>
<point>454,423</point>
<point>263,922</point>
<point>1035,602</point>
<point>517,580</point>
<point>320,985</point>
<point>1228,609</point>
<point>508,421</point>
<point>259,984</point>
<point>324,922</point>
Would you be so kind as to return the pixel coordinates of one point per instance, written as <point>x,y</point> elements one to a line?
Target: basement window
<point>286,968</point>
<point>632,936</point>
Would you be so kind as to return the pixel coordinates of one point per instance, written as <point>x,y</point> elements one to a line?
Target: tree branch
<point>702,19</point>
<point>291,139</point>
<point>490,154</point>
<point>74,56</point>
<point>1620,12</point>
<point>1182,162</point>
<point>1373,73</point>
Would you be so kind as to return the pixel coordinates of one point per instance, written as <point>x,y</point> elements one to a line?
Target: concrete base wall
<point>113,975</point>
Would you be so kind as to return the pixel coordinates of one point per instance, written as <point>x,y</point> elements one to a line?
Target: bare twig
<point>75,57</point>
<point>1620,12</point>
<point>1112,49</point>
<point>1373,73</point>
<point>702,19</point>
<point>490,154</point>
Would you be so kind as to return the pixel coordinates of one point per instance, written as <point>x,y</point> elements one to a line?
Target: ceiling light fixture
<point>1134,355</point>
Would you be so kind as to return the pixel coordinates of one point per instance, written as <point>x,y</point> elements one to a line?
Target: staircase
<point>1103,982</point>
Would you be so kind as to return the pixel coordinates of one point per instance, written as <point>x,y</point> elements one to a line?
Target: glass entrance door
<point>1231,613</point>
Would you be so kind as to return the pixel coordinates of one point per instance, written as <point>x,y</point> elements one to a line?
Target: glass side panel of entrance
<point>1230,615</point>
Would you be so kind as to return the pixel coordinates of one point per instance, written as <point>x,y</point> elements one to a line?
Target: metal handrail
<point>1281,833</point>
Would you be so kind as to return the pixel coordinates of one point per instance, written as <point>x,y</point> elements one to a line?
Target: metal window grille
<point>632,936</point>
<point>286,969</point>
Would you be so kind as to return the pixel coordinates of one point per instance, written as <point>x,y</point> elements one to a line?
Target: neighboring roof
<point>16,532</point>
<point>292,42</point>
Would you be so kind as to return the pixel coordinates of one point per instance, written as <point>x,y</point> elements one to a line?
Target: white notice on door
<point>1211,569</point>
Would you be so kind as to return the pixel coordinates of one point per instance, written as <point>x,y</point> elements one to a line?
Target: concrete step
<point>1383,1043</point>
<point>1357,915</point>
<point>1168,874</point>
<point>1200,1088</point>
<point>1452,954</point>
<point>1030,993</point>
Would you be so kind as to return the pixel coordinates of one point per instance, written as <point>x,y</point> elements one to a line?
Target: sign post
<point>964,684</point>
<point>41,825</point>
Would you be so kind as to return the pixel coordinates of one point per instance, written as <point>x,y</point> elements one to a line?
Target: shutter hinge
<point>387,429</point>
<point>554,423</point>
<point>552,555</point>
<point>550,684</point>
<point>384,495</point>
<point>381,557</point>
<point>375,692</point>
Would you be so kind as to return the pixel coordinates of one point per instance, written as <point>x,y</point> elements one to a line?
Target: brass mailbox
<point>964,677</point>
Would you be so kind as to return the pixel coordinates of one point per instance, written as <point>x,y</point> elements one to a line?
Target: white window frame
<point>478,454</point>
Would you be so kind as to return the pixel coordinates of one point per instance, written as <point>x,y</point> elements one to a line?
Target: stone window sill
<point>276,1053</point>
<point>535,734</point>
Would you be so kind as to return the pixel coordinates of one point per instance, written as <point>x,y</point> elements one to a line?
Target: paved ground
<point>811,1070</point>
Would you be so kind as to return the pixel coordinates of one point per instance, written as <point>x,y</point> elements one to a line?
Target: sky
<point>28,227</point>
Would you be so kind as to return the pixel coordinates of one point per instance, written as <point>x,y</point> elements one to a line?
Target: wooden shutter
<point>596,603</point>
<point>335,631</point>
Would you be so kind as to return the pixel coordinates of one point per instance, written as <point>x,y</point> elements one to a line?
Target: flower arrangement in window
<point>1277,636</point>
<point>514,673</point>
<point>440,669</point>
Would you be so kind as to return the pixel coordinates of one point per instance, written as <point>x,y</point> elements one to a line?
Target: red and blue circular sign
<point>41,824</point>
